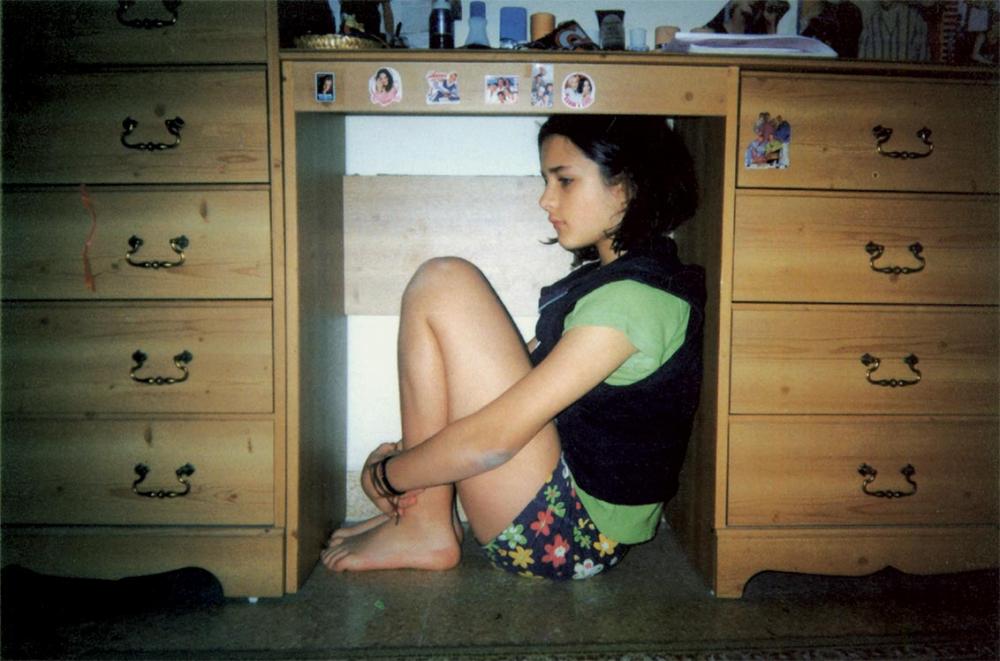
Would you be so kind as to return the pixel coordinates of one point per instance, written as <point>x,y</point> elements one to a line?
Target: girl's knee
<point>443,274</point>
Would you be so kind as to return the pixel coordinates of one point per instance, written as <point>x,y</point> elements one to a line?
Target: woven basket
<point>335,42</point>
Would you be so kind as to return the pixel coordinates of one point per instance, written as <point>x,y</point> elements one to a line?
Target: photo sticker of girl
<point>770,146</point>
<point>385,87</point>
<point>442,87</point>
<point>501,89</point>
<point>541,85</point>
<point>326,89</point>
<point>578,90</point>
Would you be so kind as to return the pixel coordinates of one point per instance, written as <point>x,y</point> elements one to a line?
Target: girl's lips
<point>556,223</point>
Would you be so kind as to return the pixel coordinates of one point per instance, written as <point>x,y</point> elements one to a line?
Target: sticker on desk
<point>442,87</point>
<point>771,143</point>
<point>326,87</point>
<point>501,89</point>
<point>578,90</point>
<point>385,87</point>
<point>542,85</point>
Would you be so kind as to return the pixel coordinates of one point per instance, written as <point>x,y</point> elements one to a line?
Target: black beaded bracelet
<point>384,478</point>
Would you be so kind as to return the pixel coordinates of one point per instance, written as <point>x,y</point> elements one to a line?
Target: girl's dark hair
<point>645,155</point>
<point>388,76</point>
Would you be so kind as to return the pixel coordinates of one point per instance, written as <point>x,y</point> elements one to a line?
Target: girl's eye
<point>565,181</point>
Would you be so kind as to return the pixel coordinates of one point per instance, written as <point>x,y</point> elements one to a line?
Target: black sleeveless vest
<point>626,444</point>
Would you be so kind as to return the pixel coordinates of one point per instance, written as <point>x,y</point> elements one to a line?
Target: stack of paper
<point>702,43</point>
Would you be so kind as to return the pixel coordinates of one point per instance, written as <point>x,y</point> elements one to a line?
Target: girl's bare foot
<point>410,544</point>
<point>358,528</point>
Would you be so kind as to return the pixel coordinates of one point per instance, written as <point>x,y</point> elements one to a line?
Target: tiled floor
<point>652,606</point>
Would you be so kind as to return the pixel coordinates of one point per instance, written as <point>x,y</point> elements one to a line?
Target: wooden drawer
<point>68,129</point>
<point>228,253</point>
<point>832,145</point>
<point>78,358</point>
<point>813,247</point>
<point>808,359</point>
<point>56,32</point>
<point>70,472</point>
<point>792,470</point>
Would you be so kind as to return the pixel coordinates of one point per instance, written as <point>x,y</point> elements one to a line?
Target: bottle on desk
<point>442,25</point>
<point>477,26</point>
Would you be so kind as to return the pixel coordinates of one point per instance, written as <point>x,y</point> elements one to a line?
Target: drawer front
<point>832,145</point>
<point>81,358</point>
<point>69,129</point>
<point>809,360</point>
<point>56,32</point>
<point>227,236</point>
<point>74,472</point>
<point>815,247</point>
<point>792,470</point>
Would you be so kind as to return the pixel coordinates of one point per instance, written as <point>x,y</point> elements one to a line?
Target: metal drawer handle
<point>869,473</point>
<point>876,250</point>
<point>183,473</point>
<point>147,23</point>
<point>882,135</point>
<point>873,362</point>
<point>180,361</point>
<point>178,245</point>
<point>174,127</point>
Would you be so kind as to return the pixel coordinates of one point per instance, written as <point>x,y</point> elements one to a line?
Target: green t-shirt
<point>655,322</point>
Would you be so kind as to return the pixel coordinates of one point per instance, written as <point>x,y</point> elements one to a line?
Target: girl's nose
<point>545,201</point>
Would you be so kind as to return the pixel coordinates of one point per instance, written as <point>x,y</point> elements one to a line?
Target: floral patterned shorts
<point>553,537</point>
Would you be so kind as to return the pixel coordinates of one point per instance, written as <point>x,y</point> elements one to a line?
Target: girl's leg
<point>458,350</point>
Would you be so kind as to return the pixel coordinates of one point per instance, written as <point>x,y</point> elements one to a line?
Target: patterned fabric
<point>553,537</point>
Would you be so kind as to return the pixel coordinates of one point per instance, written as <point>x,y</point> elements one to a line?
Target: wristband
<point>384,478</point>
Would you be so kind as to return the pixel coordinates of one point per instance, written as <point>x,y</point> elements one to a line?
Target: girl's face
<point>581,206</point>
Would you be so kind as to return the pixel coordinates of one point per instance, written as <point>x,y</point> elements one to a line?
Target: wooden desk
<point>789,413</point>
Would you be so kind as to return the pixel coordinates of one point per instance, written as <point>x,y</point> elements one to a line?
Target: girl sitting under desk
<point>562,450</point>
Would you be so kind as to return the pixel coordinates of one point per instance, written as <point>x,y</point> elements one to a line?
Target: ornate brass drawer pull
<point>883,134</point>
<point>869,473</point>
<point>147,23</point>
<point>174,127</point>
<point>876,250</point>
<point>180,361</point>
<point>178,245</point>
<point>183,473</point>
<point>873,362</point>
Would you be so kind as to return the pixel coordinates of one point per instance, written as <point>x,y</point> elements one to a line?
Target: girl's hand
<point>393,506</point>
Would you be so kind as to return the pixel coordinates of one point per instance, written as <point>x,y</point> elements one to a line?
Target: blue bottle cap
<point>477,9</point>
<point>514,24</point>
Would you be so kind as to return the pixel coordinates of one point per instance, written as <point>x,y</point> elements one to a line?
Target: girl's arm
<point>584,357</point>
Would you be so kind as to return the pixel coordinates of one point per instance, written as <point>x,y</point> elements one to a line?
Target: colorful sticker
<point>385,87</point>
<point>326,87</point>
<point>542,85</point>
<point>442,87</point>
<point>578,90</point>
<point>502,89</point>
<point>770,146</point>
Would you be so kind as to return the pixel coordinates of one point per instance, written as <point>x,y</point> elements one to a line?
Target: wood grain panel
<point>81,472</point>
<point>832,146</point>
<point>803,359</point>
<point>56,32</point>
<point>228,256</point>
<point>651,90</point>
<point>793,246</point>
<point>247,561</point>
<point>393,224</point>
<point>792,470</point>
<point>77,358</point>
<point>67,129</point>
